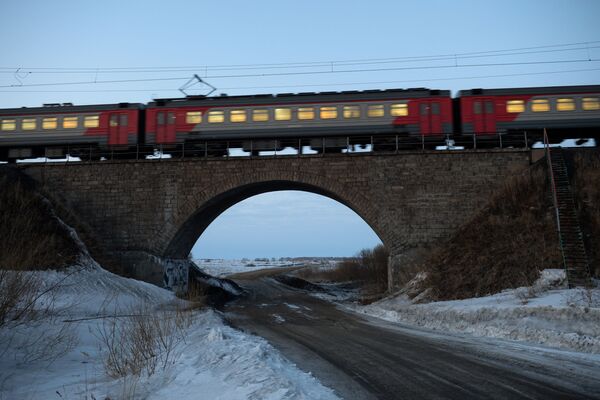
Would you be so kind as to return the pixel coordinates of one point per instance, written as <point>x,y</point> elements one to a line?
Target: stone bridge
<point>141,211</point>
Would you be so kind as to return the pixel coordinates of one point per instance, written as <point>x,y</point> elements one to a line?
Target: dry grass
<point>368,269</point>
<point>31,236</point>
<point>143,341</point>
<point>504,246</point>
<point>586,185</point>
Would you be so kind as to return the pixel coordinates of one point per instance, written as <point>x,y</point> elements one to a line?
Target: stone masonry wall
<point>410,200</point>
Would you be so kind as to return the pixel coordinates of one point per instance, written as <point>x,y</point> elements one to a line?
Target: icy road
<point>362,358</point>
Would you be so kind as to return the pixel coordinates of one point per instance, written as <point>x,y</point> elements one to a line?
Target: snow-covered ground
<point>223,267</point>
<point>211,361</point>
<point>547,313</point>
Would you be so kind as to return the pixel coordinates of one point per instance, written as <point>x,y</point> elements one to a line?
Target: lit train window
<point>328,112</point>
<point>351,112</point>
<point>9,124</point>
<point>306,113</point>
<point>260,115</point>
<point>590,103</point>
<point>565,105</point>
<point>399,110</point>
<point>50,123</point>
<point>375,111</point>
<point>70,122</point>
<point>283,114</point>
<point>216,117</point>
<point>28,124</point>
<point>91,121</point>
<point>515,106</point>
<point>540,105</point>
<point>237,116</point>
<point>193,117</point>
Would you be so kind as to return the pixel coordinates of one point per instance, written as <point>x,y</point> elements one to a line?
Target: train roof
<point>531,90</point>
<point>304,97</point>
<point>69,108</point>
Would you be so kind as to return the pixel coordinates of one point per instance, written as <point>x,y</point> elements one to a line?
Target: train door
<point>165,127</point>
<point>431,122</point>
<point>484,117</point>
<point>117,128</point>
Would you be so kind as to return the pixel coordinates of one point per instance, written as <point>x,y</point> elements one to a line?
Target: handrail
<point>554,198</point>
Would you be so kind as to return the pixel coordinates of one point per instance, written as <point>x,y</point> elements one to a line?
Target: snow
<point>213,361</point>
<point>224,267</point>
<point>546,313</point>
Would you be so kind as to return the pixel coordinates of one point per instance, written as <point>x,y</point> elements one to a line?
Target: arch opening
<point>193,228</point>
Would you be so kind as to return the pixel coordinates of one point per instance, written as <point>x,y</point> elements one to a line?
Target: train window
<point>70,122</point>
<point>540,105</point>
<point>489,107</point>
<point>590,103</point>
<point>375,111</point>
<point>91,121</point>
<point>351,112</point>
<point>114,120</point>
<point>124,121</point>
<point>515,106</point>
<point>283,114</point>
<point>260,115</point>
<point>477,107</point>
<point>50,123</point>
<point>9,124</point>
<point>193,117</point>
<point>306,113</point>
<point>237,116</point>
<point>399,110</point>
<point>565,105</point>
<point>435,108</point>
<point>216,117</point>
<point>28,124</point>
<point>328,112</point>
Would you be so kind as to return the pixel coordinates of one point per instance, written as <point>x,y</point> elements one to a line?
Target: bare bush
<point>504,246</point>
<point>31,235</point>
<point>143,341</point>
<point>27,303</point>
<point>369,269</point>
<point>586,185</point>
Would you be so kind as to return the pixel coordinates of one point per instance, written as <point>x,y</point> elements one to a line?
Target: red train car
<point>57,129</point>
<point>561,108</point>
<point>411,112</point>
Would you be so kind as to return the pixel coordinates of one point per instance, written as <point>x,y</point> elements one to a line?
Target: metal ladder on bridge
<point>570,236</point>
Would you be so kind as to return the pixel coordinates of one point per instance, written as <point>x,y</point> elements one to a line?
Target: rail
<point>284,147</point>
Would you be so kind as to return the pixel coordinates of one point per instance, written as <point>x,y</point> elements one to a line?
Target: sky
<point>249,47</point>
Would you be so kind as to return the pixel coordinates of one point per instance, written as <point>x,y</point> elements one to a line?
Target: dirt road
<point>369,359</point>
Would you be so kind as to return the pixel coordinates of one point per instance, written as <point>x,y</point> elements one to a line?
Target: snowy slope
<point>546,313</point>
<point>213,362</point>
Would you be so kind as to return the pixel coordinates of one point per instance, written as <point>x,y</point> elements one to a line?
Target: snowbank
<point>213,361</point>
<point>546,313</point>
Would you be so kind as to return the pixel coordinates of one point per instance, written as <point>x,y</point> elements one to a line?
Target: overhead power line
<point>317,84</point>
<point>313,64</point>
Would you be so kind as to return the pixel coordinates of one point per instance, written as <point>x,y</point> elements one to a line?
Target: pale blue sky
<point>113,34</point>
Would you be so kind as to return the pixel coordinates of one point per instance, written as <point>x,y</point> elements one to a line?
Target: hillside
<point>31,234</point>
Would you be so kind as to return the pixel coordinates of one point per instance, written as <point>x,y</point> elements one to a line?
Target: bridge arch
<point>201,213</point>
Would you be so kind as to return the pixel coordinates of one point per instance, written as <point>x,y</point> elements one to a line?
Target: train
<point>253,122</point>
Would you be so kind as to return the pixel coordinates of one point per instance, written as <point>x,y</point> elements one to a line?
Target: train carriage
<point>375,112</point>
<point>562,110</point>
<point>56,130</point>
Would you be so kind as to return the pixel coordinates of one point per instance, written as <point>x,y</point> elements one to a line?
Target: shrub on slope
<point>503,246</point>
<point>31,235</point>
<point>586,186</point>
